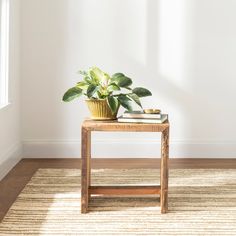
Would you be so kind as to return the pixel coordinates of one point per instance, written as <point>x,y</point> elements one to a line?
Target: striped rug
<point>201,202</point>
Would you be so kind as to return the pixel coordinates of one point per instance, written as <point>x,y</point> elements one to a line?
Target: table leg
<point>85,168</point>
<point>89,161</point>
<point>164,170</point>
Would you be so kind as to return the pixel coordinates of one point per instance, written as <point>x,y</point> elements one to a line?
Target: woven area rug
<point>201,202</point>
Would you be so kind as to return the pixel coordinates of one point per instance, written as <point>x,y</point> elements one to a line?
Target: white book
<point>163,118</point>
<point>140,114</point>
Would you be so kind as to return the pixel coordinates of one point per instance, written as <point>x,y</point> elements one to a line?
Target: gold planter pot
<point>100,110</point>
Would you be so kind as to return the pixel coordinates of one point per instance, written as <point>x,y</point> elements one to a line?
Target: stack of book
<point>142,117</point>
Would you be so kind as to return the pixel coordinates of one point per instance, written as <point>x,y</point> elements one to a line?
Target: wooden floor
<point>19,176</point>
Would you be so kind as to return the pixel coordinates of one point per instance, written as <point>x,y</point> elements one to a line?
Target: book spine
<point>139,121</point>
<point>141,116</point>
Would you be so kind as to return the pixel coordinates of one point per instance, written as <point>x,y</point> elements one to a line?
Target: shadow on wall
<point>183,50</point>
<point>130,45</point>
<point>164,65</point>
<point>188,65</point>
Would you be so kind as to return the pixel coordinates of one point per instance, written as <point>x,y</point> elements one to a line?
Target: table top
<point>114,125</point>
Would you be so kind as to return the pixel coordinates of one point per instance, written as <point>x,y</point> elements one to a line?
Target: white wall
<point>183,50</point>
<point>10,137</point>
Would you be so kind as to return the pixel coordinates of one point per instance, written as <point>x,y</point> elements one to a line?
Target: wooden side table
<point>87,190</point>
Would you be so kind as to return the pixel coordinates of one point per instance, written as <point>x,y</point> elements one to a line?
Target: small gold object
<point>152,111</point>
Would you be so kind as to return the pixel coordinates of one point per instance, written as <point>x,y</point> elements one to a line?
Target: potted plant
<point>105,93</point>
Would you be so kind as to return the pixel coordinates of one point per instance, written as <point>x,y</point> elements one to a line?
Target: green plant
<point>116,89</point>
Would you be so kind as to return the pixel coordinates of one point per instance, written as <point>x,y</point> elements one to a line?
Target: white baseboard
<point>9,159</point>
<point>127,149</point>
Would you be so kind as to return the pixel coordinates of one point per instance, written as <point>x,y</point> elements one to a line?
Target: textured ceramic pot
<point>100,110</point>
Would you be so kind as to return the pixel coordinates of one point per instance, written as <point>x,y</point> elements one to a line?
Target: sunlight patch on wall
<point>172,33</point>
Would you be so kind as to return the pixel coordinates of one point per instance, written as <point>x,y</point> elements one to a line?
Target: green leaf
<point>82,84</point>
<point>98,76</point>
<point>123,81</point>
<point>135,98</point>
<point>125,102</point>
<point>82,72</point>
<point>142,92</point>
<point>113,103</point>
<point>91,90</point>
<point>71,94</point>
<point>113,87</point>
<point>116,75</point>
<point>88,80</point>
<point>105,80</point>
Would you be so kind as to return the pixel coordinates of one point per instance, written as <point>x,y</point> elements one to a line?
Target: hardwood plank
<point>129,163</point>
<point>124,190</point>
<point>92,125</point>
<point>116,126</point>
<point>85,178</point>
<point>164,170</point>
